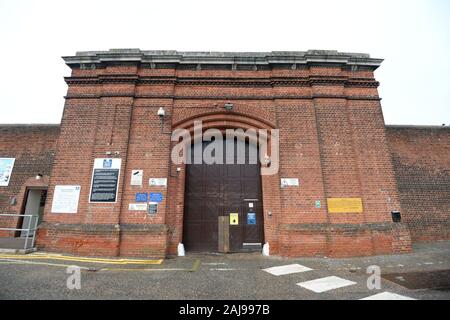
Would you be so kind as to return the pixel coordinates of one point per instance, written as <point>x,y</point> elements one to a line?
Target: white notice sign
<point>6,167</point>
<point>289,182</point>
<point>65,199</point>
<point>136,177</point>
<point>158,182</point>
<point>137,207</point>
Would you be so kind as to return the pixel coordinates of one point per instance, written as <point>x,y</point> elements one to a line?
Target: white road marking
<point>13,261</point>
<point>288,269</point>
<point>325,284</point>
<point>387,296</point>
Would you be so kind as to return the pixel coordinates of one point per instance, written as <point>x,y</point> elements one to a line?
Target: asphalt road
<point>222,277</point>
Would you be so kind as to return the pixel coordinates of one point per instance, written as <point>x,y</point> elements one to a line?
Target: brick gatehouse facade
<point>335,151</point>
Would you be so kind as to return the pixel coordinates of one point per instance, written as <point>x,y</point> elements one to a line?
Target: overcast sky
<point>412,36</point>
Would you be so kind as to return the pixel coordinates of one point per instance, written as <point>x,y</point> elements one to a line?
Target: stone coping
<point>234,58</point>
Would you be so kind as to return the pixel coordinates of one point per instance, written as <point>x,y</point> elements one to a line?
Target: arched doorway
<point>215,190</point>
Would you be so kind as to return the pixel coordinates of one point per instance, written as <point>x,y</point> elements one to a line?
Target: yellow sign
<point>234,219</point>
<point>345,205</point>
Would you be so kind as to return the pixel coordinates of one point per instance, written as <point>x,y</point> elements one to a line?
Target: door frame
<point>270,184</point>
<point>243,203</point>
<point>21,219</point>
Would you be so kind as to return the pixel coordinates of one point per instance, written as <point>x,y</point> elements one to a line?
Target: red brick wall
<point>327,116</point>
<point>323,142</point>
<point>421,157</point>
<point>33,148</point>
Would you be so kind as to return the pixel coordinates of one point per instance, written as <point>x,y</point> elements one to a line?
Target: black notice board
<point>104,185</point>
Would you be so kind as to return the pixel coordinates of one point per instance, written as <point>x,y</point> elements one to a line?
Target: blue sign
<point>142,197</point>
<point>251,218</point>
<point>156,197</point>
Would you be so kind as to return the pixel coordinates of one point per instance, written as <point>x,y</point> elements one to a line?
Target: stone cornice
<point>213,97</point>
<point>310,57</point>
<point>235,82</point>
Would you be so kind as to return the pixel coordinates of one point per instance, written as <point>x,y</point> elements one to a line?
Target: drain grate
<point>439,280</point>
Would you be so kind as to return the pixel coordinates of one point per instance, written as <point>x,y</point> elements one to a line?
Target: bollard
<point>180,250</point>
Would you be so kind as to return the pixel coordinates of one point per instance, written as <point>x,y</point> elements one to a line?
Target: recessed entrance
<point>231,190</point>
<point>34,205</point>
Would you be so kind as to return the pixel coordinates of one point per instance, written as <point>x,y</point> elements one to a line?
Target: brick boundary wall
<point>33,146</point>
<point>421,157</point>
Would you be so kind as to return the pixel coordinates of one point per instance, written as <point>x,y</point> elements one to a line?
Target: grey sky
<point>412,36</point>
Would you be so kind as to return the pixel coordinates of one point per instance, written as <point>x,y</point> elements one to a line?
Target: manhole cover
<point>421,280</point>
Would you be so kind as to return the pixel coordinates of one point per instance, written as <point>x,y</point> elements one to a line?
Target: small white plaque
<point>137,207</point>
<point>158,182</point>
<point>289,182</point>
<point>65,199</point>
<point>136,177</point>
<point>107,163</point>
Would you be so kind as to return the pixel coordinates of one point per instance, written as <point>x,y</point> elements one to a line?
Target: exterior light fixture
<point>267,160</point>
<point>177,172</point>
<point>38,176</point>
<point>228,106</point>
<point>162,115</point>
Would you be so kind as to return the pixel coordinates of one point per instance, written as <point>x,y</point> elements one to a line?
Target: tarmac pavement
<point>231,277</point>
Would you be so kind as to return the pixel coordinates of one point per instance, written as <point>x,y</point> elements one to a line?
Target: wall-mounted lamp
<point>228,106</point>
<point>38,176</point>
<point>267,160</point>
<point>162,115</point>
<point>177,172</point>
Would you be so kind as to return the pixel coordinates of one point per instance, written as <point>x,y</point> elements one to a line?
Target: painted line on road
<point>325,284</point>
<point>226,269</point>
<point>80,259</point>
<point>194,268</point>
<point>288,269</point>
<point>196,265</point>
<point>139,270</point>
<point>12,261</point>
<point>21,262</point>
<point>387,296</point>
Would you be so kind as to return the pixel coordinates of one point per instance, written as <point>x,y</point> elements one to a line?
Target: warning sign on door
<point>234,219</point>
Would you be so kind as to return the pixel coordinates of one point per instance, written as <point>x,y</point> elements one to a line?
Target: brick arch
<point>224,119</point>
<point>270,184</point>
